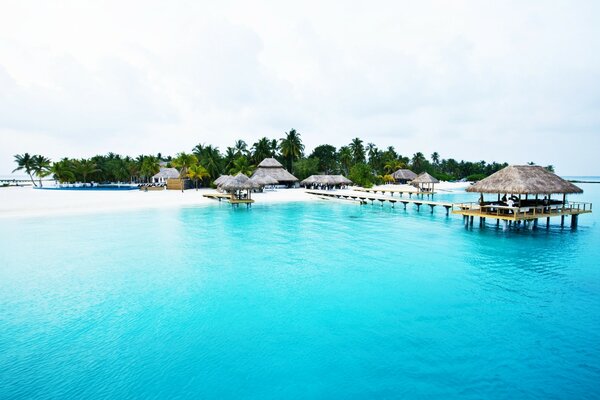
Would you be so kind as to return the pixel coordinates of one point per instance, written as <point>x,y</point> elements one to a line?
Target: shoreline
<point>27,202</point>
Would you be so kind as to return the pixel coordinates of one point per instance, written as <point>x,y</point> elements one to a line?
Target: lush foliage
<point>364,164</point>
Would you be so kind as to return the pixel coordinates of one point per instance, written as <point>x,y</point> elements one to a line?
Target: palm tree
<point>358,151</point>
<point>41,167</point>
<point>291,147</point>
<point>84,168</point>
<point>62,171</point>
<point>418,162</point>
<point>197,172</point>
<point>261,150</point>
<point>393,165</point>
<point>25,163</point>
<point>241,148</point>
<point>149,166</point>
<point>229,158</point>
<point>345,157</point>
<point>435,158</point>
<point>182,162</point>
<point>241,164</point>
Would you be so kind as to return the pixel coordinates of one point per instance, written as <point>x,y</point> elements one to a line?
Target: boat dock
<point>364,198</point>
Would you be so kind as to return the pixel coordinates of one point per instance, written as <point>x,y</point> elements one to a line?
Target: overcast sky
<point>499,81</point>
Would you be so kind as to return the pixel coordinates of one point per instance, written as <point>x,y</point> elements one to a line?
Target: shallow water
<point>325,300</point>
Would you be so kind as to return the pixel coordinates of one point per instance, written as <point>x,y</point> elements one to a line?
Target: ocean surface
<point>298,301</point>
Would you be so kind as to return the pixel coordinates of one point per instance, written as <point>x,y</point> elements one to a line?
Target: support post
<point>574,221</point>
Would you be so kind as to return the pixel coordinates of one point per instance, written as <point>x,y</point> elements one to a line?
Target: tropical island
<point>365,164</point>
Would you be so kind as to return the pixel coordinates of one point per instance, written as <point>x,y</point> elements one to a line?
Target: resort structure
<point>523,193</point>
<point>164,174</point>
<point>325,181</point>
<point>403,176</point>
<point>273,168</point>
<point>425,182</point>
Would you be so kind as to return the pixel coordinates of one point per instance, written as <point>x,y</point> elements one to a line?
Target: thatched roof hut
<point>326,180</point>
<point>164,174</point>
<point>404,175</point>
<point>273,168</point>
<point>239,182</point>
<point>524,179</point>
<point>264,180</point>
<point>425,178</point>
<point>425,182</point>
<point>221,179</point>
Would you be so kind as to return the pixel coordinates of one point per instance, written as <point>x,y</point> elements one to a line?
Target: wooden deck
<point>400,192</point>
<point>520,214</point>
<point>364,198</point>
<point>229,198</point>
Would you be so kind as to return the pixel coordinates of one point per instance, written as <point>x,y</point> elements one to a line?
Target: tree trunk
<point>32,181</point>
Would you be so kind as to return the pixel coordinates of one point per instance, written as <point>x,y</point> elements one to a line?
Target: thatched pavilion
<point>237,185</point>
<point>403,176</point>
<point>273,168</point>
<point>326,181</point>
<point>425,182</point>
<point>522,188</point>
<point>263,181</point>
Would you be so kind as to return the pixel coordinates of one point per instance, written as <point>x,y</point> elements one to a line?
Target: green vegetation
<point>364,164</point>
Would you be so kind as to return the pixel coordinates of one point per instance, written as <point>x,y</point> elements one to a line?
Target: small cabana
<point>524,192</point>
<point>403,176</point>
<point>240,187</point>
<point>425,182</point>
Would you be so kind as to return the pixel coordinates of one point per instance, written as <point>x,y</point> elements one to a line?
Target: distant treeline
<point>364,164</point>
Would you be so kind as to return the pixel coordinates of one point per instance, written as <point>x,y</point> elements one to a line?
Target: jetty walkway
<point>364,197</point>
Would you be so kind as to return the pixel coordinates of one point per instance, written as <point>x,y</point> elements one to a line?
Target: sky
<point>475,80</point>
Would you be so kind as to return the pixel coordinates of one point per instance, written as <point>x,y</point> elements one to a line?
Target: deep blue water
<point>290,301</point>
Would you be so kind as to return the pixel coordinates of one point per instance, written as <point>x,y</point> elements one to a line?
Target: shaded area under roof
<point>524,179</point>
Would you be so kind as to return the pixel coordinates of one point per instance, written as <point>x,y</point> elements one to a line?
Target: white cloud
<point>509,81</point>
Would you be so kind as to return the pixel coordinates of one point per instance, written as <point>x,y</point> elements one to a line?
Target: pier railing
<point>537,211</point>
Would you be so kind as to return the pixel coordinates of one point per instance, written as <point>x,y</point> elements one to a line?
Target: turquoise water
<point>325,300</point>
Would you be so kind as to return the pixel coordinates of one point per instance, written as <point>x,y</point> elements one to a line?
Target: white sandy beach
<point>30,202</point>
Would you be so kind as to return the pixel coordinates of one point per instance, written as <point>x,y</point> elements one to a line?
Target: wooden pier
<point>528,216</point>
<point>400,192</point>
<point>230,198</point>
<point>364,198</point>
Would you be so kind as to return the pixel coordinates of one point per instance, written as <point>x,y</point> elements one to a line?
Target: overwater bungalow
<point>273,168</point>
<point>523,193</point>
<point>403,176</point>
<point>425,182</point>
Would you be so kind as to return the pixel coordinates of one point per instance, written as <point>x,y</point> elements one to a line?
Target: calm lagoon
<point>298,300</point>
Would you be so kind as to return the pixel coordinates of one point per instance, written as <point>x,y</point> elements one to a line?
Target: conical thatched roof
<point>524,179</point>
<point>270,163</point>
<point>404,174</point>
<point>239,182</point>
<point>271,167</point>
<point>309,181</point>
<point>221,179</point>
<point>425,178</point>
